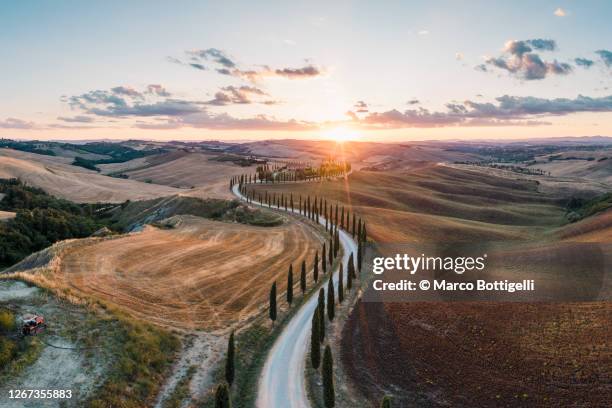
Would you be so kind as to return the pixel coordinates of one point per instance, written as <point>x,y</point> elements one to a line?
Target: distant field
<point>209,178</point>
<point>201,275</point>
<point>433,203</point>
<point>57,177</point>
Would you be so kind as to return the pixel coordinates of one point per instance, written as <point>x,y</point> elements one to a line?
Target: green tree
<point>303,277</point>
<point>222,397</point>
<point>351,267</point>
<point>229,361</point>
<point>340,284</point>
<point>331,299</point>
<point>359,255</point>
<point>321,309</point>
<point>290,285</point>
<point>273,303</point>
<point>329,395</point>
<point>349,274</point>
<point>386,402</point>
<point>315,268</point>
<point>323,260</point>
<point>331,252</point>
<point>315,341</point>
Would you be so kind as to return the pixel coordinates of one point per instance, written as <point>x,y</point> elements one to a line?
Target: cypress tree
<point>329,395</point>
<point>349,274</point>
<point>229,361</point>
<point>321,309</point>
<point>331,299</point>
<point>273,303</point>
<point>315,268</point>
<point>323,260</point>
<point>353,229</point>
<point>290,285</point>
<point>222,397</point>
<point>340,284</point>
<point>342,218</point>
<point>364,233</point>
<point>386,402</point>
<point>336,243</point>
<point>359,255</point>
<point>351,267</point>
<point>303,278</point>
<point>315,341</point>
<point>331,252</point>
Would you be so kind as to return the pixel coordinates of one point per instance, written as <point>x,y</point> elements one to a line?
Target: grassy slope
<point>437,353</point>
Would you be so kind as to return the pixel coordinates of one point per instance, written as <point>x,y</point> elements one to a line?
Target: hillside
<point>435,354</point>
<point>57,177</point>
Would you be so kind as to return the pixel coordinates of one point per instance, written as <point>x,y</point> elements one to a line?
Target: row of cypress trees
<point>283,174</point>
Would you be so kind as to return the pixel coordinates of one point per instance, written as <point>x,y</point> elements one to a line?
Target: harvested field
<point>195,171</point>
<point>200,275</point>
<point>77,184</point>
<point>437,203</point>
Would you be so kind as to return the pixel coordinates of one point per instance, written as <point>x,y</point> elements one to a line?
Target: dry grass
<point>74,183</point>
<point>186,170</point>
<point>201,275</point>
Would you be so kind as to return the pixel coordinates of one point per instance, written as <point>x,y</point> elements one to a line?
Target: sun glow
<point>340,134</point>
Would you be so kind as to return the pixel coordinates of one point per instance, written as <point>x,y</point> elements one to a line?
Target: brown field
<point>57,177</point>
<point>591,165</point>
<point>472,354</point>
<point>481,354</point>
<point>208,178</point>
<point>354,152</point>
<point>200,275</point>
<point>433,203</point>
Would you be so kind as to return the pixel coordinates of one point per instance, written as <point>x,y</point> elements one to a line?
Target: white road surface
<point>282,383</point>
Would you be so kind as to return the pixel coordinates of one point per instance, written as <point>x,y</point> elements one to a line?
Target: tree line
<point>285,174</point>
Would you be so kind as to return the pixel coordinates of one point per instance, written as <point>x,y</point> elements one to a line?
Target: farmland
<point>429,354</point>
<point>200,274</point>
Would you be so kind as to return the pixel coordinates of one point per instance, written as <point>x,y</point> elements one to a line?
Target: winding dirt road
<point>282,382</point>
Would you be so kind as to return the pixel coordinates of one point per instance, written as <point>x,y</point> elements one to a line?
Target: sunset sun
<point>340,134</point>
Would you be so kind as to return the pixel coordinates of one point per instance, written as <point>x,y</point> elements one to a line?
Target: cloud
<point>124,101</point>
<point>205,120</point>
<point>13,123</point>
<point>154,109</point>
<point>459,56</point>
<point>506,111</point>
<point>225,65</point>
<point>213,54</point>
<point>304,72</point>
<point>606,57</point>
<point>197,66</point>
<point>156,89</point>
<point>413,102</point>
<point>237,95</point>
<point>423,33</point>
<point>361,107</point>
<point>584,62</point>
<point>520,61</point>
<point>76,119</point>
<point>559,12</point>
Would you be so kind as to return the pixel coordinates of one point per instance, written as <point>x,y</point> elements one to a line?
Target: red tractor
<point>32,324</point>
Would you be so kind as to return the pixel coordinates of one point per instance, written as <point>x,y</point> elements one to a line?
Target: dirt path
<point>282,382</point>
<point>67,368</point>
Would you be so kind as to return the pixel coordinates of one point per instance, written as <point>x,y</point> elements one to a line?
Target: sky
<point>363,70</point>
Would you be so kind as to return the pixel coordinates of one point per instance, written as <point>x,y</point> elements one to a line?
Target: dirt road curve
<point>282,382</point>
